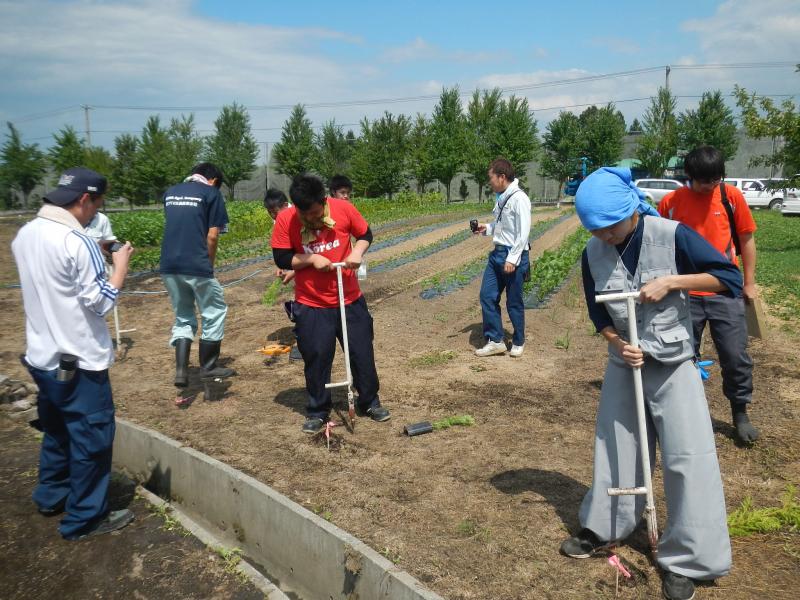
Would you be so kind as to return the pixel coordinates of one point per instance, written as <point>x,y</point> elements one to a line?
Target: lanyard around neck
<point>503,206</point>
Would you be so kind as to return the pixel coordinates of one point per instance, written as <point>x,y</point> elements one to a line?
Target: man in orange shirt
<point>700,206</point>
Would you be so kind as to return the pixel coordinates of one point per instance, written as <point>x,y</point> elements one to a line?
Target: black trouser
<point>317,332</point>
<point>726,320</point>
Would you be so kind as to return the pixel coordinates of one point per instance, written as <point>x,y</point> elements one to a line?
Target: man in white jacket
<point>66,296</point>
<point>508,263</point>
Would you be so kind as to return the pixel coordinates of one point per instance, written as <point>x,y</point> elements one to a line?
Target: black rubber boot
<point>209,353</point>
<point>183,347</point>
<point>745,430</point>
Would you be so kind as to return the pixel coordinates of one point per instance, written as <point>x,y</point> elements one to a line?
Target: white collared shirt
<point>99,228</point>
<point>65,294</point>
<point>513,227</point>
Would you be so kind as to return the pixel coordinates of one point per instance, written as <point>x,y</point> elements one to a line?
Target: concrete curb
<point>303,554</point>
<point>269,589</point>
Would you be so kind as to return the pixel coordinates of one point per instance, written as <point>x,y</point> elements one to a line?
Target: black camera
<point>115,246</point>
<point>473,225</point>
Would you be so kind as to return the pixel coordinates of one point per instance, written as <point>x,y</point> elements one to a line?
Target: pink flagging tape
<point>615,562</point>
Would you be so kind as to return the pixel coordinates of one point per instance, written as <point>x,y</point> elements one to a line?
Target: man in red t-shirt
<point>309,237</point>
<point>700,206</point>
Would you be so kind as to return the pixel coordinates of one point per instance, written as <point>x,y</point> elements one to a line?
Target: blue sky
<point>128,59</point>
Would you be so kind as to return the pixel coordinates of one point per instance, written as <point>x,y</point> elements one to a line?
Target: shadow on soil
<point>284,335</point>
<point>476,337</point>
<point>563,493</point>
<point>297,398</point>
<point>729,431</point>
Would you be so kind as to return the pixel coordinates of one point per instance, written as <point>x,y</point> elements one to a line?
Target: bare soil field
<point>473,512</point>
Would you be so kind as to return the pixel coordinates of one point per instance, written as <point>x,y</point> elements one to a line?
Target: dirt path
<point>474,512</point>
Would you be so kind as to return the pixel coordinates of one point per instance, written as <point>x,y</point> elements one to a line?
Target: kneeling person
<point>308,238</point>
<point>633,250</point>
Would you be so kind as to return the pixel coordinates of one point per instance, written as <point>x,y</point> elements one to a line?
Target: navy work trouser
<point>77,418</point>
<point>728,326</point>
<point>495,280</point>
<point>317,332</point>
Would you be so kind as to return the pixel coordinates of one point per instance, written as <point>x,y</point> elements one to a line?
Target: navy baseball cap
<point>74,183</point>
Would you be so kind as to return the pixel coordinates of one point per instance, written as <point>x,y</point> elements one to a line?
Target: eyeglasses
<point>716,181</point>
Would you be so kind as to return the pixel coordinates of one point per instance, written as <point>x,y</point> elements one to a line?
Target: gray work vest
<point>665,328</point>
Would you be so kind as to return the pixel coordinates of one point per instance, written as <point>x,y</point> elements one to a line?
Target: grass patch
<point>747,520</point>
<point>433,358</point>
<point>471,529</point>
<point>465,420</point>
<point>778,263</point>
<point>230,556</point>
<point>170,522</point>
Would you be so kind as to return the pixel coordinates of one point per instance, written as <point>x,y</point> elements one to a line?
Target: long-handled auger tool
<point>351,407</point>
<point>647,489</point>
<point>117,330</point>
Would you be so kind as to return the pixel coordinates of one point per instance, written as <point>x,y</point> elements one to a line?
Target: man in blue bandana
<point>630,250</point>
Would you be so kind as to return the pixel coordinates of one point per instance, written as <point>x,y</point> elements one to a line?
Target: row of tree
<point>143,166</point>
<point>597,134</point>
<point>393,149</point>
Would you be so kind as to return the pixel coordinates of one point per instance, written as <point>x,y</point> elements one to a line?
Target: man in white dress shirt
<point>508,263</point>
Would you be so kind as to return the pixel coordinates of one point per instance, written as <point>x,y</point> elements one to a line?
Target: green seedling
<point>322,511</point>
<point>391,555</point>
<point>465,420</point>
<point>747,520</point>
<point>271,293</point>
<point>562,342</point>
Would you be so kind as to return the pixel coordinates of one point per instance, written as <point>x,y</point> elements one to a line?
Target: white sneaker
<point>516,350</point>
<point>491,348</point>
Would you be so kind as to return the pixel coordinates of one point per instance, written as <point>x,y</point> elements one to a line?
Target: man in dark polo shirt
<point>195,216</point>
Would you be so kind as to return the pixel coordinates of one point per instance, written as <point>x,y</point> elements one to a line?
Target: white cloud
<point>419,49</point>
<point>160,49</point>
<point>747,31</point>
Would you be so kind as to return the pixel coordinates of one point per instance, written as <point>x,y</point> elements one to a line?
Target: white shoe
<point>516,350</point>
<point>491,348</point>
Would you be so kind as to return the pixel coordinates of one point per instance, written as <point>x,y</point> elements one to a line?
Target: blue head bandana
<point>608,196</point>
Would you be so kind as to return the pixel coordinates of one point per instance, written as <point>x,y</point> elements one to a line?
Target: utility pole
<point>86,108</point>
<point>266,166</point>
<point>667,78</point>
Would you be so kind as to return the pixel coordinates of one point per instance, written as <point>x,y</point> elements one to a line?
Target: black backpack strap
<point>729,210</point>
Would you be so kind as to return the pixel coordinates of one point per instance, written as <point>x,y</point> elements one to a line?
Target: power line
<point>48,113</point>
<point>755,65</point>
<point>623,101</point>
<point>534,110</point>
<point>517,88</point>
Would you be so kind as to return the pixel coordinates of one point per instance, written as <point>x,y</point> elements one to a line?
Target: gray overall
<point>695,541</point>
